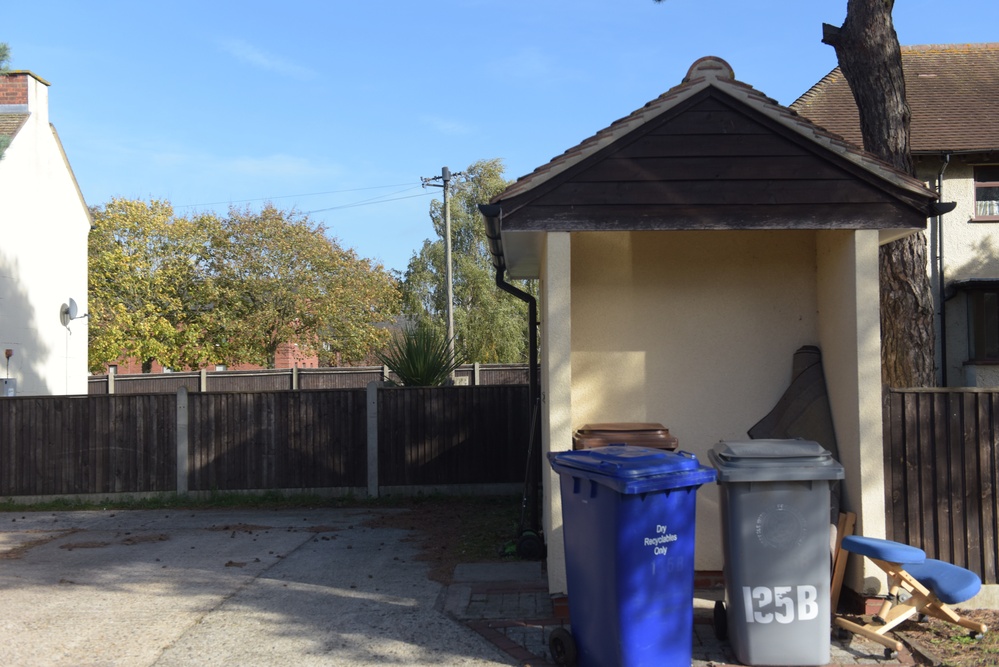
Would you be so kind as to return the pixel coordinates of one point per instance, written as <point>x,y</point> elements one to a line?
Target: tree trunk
<point>871,61</point>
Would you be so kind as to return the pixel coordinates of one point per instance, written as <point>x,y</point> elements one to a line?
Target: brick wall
<point>288,355</point>
<point>13,89</point>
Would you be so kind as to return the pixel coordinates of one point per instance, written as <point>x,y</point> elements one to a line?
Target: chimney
<point>23,92</point>
<point>14,89</point>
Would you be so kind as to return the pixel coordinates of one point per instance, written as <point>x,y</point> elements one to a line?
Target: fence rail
<point>138,443</point>
<point>940,454</point>
<point>288,379</point>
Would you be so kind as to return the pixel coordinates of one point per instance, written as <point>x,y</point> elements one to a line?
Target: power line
<point>309,194</point>
<point>367,202</point>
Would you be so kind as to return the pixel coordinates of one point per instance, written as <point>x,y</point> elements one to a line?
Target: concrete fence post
<point>372,411</point>
<point>182,462</point>
<point>203,381</point>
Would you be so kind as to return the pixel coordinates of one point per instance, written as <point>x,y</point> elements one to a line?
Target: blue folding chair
<point>917,586</point>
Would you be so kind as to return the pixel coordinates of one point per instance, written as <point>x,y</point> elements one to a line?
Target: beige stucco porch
<point>697,330</point>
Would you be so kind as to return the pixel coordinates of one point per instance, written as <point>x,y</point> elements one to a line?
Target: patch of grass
<point>951,645</point>
<point>449,530</point>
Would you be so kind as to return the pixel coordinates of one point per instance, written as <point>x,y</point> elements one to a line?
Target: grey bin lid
<point>773,460</point>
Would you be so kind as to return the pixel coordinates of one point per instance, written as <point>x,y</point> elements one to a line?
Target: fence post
<point>203,383</point>
<point>372,400</point>
<point>110,382</point>
<point>476,380</point>
<point>294,377</point>
<point>182,441</point>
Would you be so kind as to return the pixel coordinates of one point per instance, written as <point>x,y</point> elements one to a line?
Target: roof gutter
<point>493,215</point>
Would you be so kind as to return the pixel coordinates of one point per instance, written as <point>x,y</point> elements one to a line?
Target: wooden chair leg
<point>870,633</point>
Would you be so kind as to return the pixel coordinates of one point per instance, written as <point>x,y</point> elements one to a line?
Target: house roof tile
<point>10,123</point>
<point>952,91</point>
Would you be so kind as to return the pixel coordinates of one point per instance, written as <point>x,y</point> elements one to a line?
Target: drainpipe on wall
<point>493,215</point>
<point>940,274</point>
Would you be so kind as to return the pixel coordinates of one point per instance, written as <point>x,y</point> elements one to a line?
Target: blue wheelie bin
<point>628,527</point>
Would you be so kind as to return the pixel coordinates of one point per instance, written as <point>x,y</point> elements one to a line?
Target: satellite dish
<point>69,312</point>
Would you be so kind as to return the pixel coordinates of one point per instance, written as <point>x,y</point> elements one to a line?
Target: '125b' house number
<point>783,604</point>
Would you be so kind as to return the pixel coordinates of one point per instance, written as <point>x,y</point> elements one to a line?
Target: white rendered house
<point>44,223</point>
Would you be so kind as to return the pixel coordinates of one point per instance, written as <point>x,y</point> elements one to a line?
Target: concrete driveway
<point>239,587</point>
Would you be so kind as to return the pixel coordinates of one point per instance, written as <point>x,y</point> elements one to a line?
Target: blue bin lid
<point>773,460</point>
<point>631,469</point>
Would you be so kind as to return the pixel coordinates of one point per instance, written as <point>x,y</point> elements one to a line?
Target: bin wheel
<point>975,634</point>
<point>530,546</point>
<point>891,654</point>
<point>562,647</point>
<point>721,621</point>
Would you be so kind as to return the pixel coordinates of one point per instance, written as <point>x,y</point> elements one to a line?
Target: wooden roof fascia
<point>889,215</point>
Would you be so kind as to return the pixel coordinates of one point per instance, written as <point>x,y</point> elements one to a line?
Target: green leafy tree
<point>490,325</point>
<point>282,278</point>
<point>151,295</point>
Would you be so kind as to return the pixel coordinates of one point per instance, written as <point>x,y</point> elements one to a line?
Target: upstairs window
<point>987,193</point>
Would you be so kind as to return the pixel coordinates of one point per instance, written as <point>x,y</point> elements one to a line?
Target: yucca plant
<point>420,357</point>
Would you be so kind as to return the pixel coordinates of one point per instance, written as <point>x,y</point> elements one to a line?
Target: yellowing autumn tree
<point>149,285</point>
<point>282,278</point>
<point>204,290</point>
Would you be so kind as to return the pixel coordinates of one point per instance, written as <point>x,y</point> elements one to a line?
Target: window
<point>987,193</point>
<point>983,324</point>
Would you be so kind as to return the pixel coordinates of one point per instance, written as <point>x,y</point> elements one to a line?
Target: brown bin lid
<point>642,434</point>
<point>619,427</point>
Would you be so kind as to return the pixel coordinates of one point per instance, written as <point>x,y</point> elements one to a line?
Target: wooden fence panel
<point>987,439</point>
<point>277,440</point>
<point>940,473</point>
<point>452,435</point>
<point>127,443</point>
<point>57,445</point>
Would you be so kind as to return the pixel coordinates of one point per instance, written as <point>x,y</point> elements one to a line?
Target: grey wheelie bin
<point>628,528</point>
<point>775,497</point>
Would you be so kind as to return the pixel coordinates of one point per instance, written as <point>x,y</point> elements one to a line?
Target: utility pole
<point>445,179</point>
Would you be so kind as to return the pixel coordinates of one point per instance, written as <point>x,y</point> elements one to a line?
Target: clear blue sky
<point>339,108</point>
